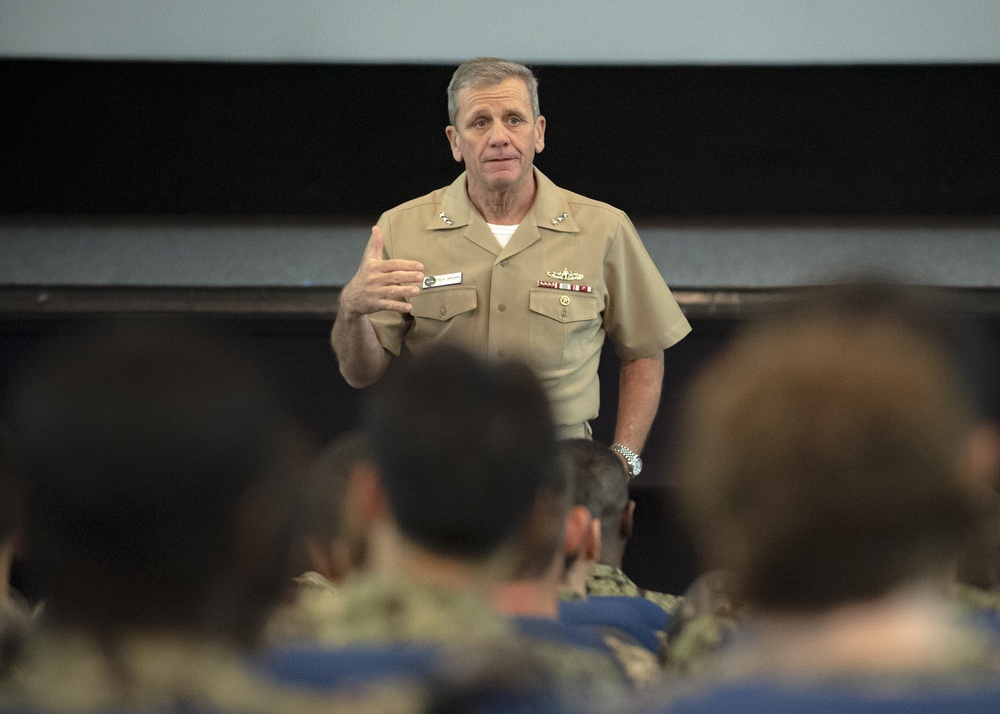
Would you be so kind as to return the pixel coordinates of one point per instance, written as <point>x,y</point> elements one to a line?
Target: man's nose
<point>499,134</point>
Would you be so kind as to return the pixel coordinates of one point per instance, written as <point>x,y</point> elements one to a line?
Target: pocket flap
<point>576,306</point>
<point>444,303</point>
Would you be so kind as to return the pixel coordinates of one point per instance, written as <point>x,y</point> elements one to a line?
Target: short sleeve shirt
<point>573,273</point>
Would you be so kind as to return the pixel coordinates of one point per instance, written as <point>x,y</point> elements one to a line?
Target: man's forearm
<point>361,357</point>
<point>639,388</point>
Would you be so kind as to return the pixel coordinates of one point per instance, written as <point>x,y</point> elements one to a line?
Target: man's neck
<point>612,554</point>
<point>503,207</point>
<point>393,554</point>
<point>576,577</point>
<point>535,598</point>
<point>904,630</point>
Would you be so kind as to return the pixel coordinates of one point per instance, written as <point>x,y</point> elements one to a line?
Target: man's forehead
<point>511,92</point>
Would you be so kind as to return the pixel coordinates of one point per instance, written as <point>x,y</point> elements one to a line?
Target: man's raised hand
<point>381,284</point>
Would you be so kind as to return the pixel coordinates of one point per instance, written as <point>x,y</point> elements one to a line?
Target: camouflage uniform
<point>708,619</point>
<point>609,580</point>
<point>59,671</point>
<point>372,608</point>
<point>973,599</point>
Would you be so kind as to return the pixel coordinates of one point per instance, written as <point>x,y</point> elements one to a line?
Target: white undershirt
<point>502,233</point>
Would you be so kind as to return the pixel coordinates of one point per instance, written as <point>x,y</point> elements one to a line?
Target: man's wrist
<point>632,461</point>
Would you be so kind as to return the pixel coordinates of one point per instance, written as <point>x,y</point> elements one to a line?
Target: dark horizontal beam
<point>322,303</point>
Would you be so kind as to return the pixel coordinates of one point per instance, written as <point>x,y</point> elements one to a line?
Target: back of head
<point>321,512</point>
<point>600,481</point>
<point>821,450</point>
<point>157,462</point>
<point>488,72</point>
<point>462,446</point>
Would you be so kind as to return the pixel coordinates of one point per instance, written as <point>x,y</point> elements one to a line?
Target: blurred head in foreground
<point>831,454</point>
<point>158,464</point>
<point>461,446</point>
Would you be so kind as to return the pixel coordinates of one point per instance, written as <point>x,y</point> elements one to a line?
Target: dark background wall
<point>255,139</point>
<point>120,141</point>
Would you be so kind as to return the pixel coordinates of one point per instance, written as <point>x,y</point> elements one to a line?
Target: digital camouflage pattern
<point>377,609</point>
<point>609,580</point>
<point>373,608</point>
<point>70,672</point>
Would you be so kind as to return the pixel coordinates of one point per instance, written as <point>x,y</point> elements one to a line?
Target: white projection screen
<point>582,32</point>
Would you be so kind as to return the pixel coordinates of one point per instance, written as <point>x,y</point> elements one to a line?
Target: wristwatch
<point>631,458</point>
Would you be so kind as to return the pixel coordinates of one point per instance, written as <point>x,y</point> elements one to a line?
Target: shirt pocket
<point>440,312</point>
<point>560,324</point>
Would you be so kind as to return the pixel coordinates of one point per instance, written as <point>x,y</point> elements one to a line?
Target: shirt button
<point>444,311</point>
<point>564,312</point>
<point>501,307</point>
<point>503,263</point>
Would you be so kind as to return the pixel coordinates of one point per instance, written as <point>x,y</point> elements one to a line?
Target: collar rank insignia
<point>565,275</point>
<point>559,219</point>
<point>445,218</point>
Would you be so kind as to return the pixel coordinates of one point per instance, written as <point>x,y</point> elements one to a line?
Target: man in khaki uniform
<point>506,262</point>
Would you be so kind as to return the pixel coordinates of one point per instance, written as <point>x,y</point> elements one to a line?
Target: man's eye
<point>515,120</point>
<point>480,123</point>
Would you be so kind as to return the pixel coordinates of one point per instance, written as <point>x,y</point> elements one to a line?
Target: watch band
<point>631,458</point>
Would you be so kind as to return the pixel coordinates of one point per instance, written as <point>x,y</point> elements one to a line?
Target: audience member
<point>556,535</point>
<point>459,448</point>
<point>158,466</point>
<point>832,462</point>
<point>331,539</point>
<point>600,490</point>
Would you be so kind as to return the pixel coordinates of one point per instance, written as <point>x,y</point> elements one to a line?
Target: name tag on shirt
<point>437,281</point>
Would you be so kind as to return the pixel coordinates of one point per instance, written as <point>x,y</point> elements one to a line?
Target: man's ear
<point>452,134</point>
<point>365,494</point>
<point>333,562</point>
<point>539,134</point>
<point>577,524</point>
<point>628,515</point>
<point>593,541</point>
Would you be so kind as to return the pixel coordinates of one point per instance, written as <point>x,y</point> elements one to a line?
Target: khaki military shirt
<point>606,284</point>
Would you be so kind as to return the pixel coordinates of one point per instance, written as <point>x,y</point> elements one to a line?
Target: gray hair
<point>487,72</point>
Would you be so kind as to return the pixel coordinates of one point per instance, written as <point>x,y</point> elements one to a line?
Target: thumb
<point>377,242</point>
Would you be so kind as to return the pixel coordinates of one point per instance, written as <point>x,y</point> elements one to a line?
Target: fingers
<point>414,267</point>
<point>382,283</point>
<point>377,241</point>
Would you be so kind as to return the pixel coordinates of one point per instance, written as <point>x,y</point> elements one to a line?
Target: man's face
<point>496,135</point>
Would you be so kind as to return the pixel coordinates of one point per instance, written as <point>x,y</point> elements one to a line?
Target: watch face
<point>636,466</point>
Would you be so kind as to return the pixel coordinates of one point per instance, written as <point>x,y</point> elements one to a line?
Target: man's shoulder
<point>428,199</point>
<point>609,580</point>
<point>576,201</point>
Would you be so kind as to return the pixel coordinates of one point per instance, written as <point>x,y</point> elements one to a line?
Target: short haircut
<point>321,510</point>
<point>820,450</point>
<point>140,446</point>
<point>462,446</point>
<point>542,536</point>
<point>600,481</point>
<point>488,72</point>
